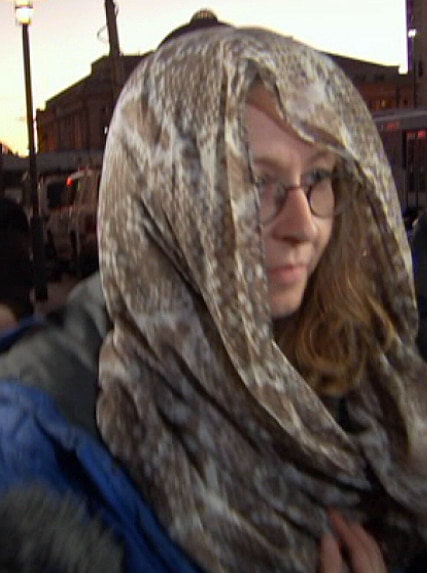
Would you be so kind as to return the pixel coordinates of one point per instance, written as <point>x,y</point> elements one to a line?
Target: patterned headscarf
<point>234,450</point>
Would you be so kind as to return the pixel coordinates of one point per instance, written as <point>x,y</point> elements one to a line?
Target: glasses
<point>322,188</point>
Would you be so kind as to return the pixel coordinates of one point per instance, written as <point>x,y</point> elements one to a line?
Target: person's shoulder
<point>61,356</point>
<point>28,444</point>
<point>39,444</point>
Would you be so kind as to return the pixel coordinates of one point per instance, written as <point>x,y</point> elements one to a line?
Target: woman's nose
<point>295,220</point>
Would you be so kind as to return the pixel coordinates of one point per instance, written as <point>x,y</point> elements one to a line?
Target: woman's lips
<point>287,274</point>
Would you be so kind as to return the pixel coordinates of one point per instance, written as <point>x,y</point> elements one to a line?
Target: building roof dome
<point>201,19</point>
<point>204,14</point>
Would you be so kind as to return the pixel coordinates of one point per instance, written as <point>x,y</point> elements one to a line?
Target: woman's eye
<point>265,184</point>
<point>318,176</point>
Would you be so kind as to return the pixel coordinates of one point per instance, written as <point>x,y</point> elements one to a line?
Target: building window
<point>104,120</point>
<point>379,104</point>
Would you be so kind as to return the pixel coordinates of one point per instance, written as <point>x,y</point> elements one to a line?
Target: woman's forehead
<point>260,98</point>
<point>263,103</point>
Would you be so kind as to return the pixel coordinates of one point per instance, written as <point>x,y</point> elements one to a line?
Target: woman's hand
<point>361,550</point>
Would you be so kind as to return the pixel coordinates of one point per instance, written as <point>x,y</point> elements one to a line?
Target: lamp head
<point>23,11</point>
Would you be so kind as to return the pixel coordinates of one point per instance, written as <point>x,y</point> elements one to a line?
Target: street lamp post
<point>1,171</point>
<point>115,56</point>
<point>412,33</point>
<point>23,13</point>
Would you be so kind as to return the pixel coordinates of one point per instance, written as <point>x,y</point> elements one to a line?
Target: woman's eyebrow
<point>320,154</point>
<point>278,161</point>
<point>268,162</point>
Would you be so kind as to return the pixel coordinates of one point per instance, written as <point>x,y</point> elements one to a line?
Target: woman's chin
<point>285,305</point>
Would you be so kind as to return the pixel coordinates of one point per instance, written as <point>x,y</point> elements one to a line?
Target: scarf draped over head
<point>234,450</point>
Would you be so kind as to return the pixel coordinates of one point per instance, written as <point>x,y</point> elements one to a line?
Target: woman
<point>262,367</point>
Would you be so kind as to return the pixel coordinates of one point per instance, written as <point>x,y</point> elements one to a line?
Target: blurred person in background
<point>262,403</point>
<point>16,270</point>
<point>419,257</point>
<point>410,216</point>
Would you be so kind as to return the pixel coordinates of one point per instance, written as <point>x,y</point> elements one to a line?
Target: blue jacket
<point>38,445</point>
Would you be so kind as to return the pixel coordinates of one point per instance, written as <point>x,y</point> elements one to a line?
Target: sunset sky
<point>66,36</point>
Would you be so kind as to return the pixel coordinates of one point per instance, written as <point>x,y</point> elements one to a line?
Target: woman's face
<point>294,239</point>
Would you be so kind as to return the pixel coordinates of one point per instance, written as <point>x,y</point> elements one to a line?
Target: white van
<point>71,227</point>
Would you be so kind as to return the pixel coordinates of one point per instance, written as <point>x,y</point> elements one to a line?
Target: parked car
<point>71,225</point>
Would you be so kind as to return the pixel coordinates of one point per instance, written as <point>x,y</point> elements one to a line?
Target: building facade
<point>77,119</point>
<point>74,123</point>
<point>382,87</point>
